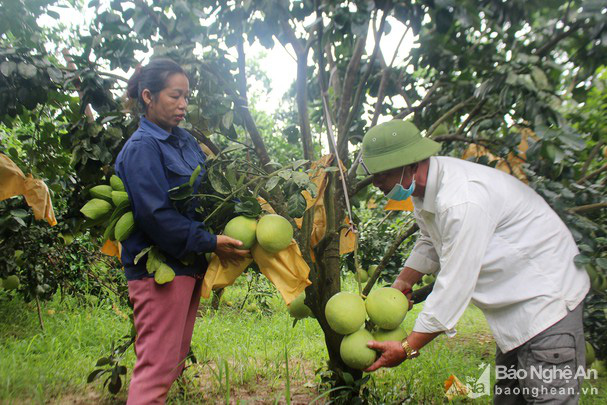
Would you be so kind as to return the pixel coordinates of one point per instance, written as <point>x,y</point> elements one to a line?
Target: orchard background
<point>479,76</point>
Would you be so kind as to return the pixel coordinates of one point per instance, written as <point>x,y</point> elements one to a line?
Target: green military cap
<point>394,144</point>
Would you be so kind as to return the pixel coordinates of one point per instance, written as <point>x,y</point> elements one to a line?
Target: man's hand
<point>392,354</point>
<point>228,251</point>
<point>401,285</point>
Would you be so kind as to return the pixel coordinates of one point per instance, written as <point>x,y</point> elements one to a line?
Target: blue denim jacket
<point>151,162</point>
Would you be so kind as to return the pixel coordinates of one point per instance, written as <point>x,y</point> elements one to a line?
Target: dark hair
<point>153,77</point>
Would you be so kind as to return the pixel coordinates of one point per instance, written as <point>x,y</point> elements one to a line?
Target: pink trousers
<point>164,320</point>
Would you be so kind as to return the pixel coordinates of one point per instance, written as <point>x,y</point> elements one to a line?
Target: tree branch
<point>382,264</point>
<point>588,207</point>
<point>448,114</point>
<point>591,156</point>
<point>361,185</point>
<point>547,47</point>
<point>592,174</point>
<point>344,129</point>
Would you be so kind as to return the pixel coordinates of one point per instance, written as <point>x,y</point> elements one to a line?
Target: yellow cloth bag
<point>287,270</point>
<point>347,240</point>
<point>13,182</point>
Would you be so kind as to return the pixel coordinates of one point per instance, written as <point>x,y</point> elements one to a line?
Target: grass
<point>241,355</point>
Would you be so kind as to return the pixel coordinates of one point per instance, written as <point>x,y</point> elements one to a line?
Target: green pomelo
<point>102,191</point>
<point>590,355</point>
<point>124,226</point>
<point>96,208</point>
<point>11,282</point>
<point>274,233</point>
<point>242,229</point>
<point>371,270</point>
<point>116,183</point>
<point>591,272</point>
<point>387,307</point>
<point>354,351</point>
<point>164,274</point>
<point>599,282</point>
<point>299,310</point>
<point>345,312</point>
<point>383,335</point>
<point>119,197</point>
<point>361,276</point>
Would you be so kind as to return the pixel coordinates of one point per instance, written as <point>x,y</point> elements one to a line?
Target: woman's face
<point>167,108</point>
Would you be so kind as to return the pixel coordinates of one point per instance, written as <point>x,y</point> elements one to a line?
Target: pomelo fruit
<point>345,312</point>
<point>116,183</point>
<point>102,191</point>
<point>243,229</point>
<point>297,308</point>
<point>371,270</point>
<point>11,282</point>
<point>124,227</point>
<point>274,233</point>
<point>383,335</point>
<point>590,355</point>
<point>361,276</point>
<point>387,307</point>
<point>354,351</point>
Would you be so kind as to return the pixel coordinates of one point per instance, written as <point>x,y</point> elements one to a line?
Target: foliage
<point>480,73</point>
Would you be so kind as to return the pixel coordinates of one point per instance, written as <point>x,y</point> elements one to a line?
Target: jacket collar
<point>158,132</point>
<point>428,201</point>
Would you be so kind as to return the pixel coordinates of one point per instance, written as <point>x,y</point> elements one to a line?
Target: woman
<point>158,157</point>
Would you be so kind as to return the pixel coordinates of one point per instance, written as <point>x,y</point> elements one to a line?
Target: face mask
<point>398,192</point>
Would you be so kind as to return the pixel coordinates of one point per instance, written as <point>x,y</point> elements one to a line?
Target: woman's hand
<point>228,250</point>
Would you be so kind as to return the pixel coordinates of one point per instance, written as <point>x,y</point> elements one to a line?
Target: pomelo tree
<point>494,75</point>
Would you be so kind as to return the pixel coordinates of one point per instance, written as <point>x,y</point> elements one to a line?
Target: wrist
<point>410,352</point>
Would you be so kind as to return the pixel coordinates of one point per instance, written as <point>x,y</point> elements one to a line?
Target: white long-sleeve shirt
<point>493,240</point>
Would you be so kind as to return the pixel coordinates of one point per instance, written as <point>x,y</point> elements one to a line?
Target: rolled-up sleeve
<point>423,257</point>
<point>466,231</point>
<point>147,187</point>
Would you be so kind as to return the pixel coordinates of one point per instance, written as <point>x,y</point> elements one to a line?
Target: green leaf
<point>300,178</point>
<point>141,254</point>
<point>233,148</point>
<point>272,182</point>
<point>581,259</point>
<point>181,192</point>
<point>602,263</point>
<point>249,207</point>
<point>102,362</point>
<point>95,374</point>
<point>218,181</point>
<point>297,205</point>
<point>298,163</point>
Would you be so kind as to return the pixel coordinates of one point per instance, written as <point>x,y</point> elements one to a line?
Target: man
<point>492,240</point>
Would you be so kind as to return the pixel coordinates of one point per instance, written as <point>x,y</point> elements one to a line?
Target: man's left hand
<point>392,354</point>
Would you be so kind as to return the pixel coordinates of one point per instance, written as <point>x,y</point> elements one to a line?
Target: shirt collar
<point>160,133</point>
<point>428,201</point>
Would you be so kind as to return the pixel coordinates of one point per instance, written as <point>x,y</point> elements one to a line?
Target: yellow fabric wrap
<point>286,269</point>
<point>513,163</point>
<point>347,240</point>
<point>13,182</point>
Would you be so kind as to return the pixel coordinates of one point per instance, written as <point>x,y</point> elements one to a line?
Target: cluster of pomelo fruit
<point>10,283</point>
<point>347,312</point>
<point>598,281</point>
<point>363,275</point>
<point>110,207</point>
<point>271,232</point>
